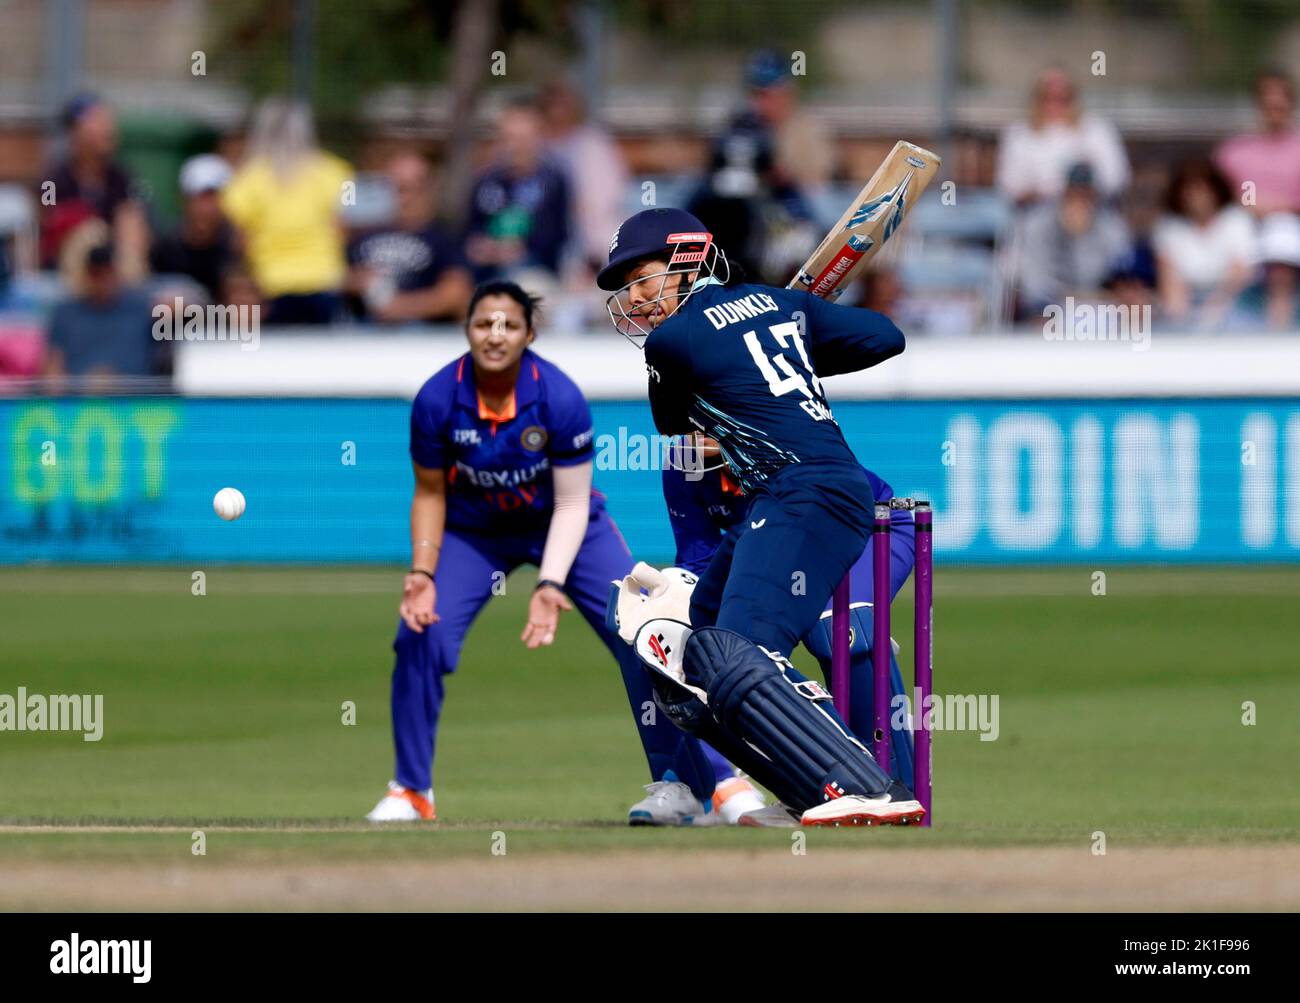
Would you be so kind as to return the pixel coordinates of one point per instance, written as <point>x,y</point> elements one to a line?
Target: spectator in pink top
<point>1269,162</point>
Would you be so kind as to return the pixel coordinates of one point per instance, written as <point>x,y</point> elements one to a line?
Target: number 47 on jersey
<point>789,378</point>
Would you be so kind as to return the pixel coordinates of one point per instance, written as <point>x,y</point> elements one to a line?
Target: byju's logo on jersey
<point>465,437</point>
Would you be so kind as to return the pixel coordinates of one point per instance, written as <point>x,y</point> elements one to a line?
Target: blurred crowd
<point>1215,247</point>
<point>1210,244</point>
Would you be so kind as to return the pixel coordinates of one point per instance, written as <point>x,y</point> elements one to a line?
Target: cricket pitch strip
<point>766,878</point>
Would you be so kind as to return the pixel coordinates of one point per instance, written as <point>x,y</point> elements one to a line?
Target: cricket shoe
<point>857,809</point>
<point>403,805</point>
<point>734,797</point>
<point>670,802</point>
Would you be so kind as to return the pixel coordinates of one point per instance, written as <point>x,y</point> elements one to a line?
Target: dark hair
<point>77,106</point>
<point>100,256</point>
<point>500,287</point>
<point>1276,75</point>
<point>1190,172</point>
<point>527,102</point>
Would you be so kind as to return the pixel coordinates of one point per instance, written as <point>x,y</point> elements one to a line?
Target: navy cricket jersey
<point>499,465</point>
<point>742,364</point>
<point>702,508</point>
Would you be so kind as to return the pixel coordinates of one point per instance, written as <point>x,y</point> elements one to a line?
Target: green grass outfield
<point>1120,713</point>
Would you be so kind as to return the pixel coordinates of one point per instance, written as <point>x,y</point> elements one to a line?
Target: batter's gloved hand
<point>650,594</point>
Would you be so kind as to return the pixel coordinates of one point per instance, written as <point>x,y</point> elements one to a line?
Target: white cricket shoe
<point>403,805</point>
<point>734,797</point>
<point>668,802</point>
<point>857,809</point>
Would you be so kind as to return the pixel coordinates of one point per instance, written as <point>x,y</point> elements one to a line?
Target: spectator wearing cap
<point>413,270</point>
<point>103,331</point>
<point>202,246</point>
<point>285,201</point>
<point>1069,247</point>
<point>1205,248</point>
<point>519,209</point>
<point>1034,156</point>
<point>1267,163</point>
<point>757,170</point>
<point>90,184</point>
<point>1129,284</point>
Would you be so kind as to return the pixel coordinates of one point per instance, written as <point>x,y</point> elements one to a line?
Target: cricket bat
<point>870,220</point>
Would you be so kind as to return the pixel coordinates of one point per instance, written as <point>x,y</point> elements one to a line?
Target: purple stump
<point>924,627</point>
<point>840,649</point>
<point>880,649</point>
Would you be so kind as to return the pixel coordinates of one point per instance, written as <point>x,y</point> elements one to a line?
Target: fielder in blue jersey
<point>501,445</point>
<point>705,504</point>
<point>742,364</point>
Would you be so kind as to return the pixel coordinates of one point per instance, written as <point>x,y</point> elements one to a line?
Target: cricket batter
<point>501,444</point>
<point>742,364</point>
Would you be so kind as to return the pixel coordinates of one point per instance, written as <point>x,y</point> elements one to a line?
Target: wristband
<point>544,582</point>
<point>421,571</point>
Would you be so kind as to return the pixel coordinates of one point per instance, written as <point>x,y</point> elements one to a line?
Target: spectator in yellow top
<point>285,200</point>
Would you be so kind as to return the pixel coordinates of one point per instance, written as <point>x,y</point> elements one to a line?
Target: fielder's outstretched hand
<point>418,599</point>
<point>544,610</point>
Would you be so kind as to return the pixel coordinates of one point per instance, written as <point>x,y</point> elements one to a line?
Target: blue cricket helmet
<point>650,233</point>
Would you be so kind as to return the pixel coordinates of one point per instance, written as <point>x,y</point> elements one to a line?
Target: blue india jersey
<point>499,465</point>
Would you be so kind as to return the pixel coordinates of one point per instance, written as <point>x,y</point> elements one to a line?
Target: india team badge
<point>533,438</point>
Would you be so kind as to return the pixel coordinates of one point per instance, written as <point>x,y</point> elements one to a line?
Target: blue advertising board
<point>132,479</point>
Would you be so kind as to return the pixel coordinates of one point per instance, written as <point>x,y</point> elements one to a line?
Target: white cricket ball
<point>229,504</point>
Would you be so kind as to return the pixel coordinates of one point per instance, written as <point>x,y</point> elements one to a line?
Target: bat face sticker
<point>871,209</point>
<point>871,219</point>
<point>900,206</point>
